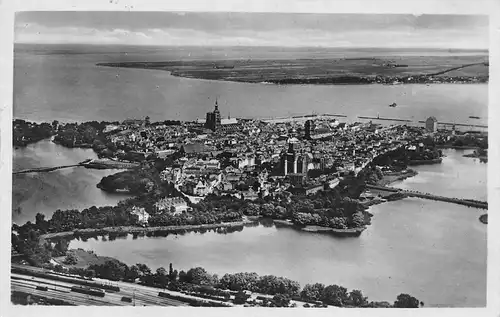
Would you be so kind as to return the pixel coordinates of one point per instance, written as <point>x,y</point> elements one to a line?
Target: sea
<point>435,251</point>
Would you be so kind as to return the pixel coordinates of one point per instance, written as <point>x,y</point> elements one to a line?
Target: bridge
<point>413,193</point>
<point>44,169</point>
<point>89,163</point>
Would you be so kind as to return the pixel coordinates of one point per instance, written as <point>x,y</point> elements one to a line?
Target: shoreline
<point>394,177</point>
<point>131,230</point>
<point>349,232</point>
<point>425,162</point>
<point>208,70</point>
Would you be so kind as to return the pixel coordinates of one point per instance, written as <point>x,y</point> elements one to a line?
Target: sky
<point>254,29</point>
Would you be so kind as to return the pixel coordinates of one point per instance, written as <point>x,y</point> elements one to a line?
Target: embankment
<point>391,177</point>
<point>350,232</point>
<point>425,162</point>
<point>168,229</point>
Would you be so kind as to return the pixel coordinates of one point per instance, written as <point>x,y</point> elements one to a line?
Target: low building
<point>141,214</point>
<point>166,204</point>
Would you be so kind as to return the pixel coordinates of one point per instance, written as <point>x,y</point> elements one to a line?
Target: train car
<point>88,291</point>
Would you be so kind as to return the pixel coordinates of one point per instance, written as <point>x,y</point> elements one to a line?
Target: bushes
<point>71,259</point>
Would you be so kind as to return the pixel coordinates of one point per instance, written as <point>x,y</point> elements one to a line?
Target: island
<point>330,71</point>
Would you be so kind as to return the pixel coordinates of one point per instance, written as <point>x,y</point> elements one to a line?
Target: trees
<point>132,273</point>
<point>335,295</point>
<point>357,220</point>
<point>71,259</point>
<point>312,292</point>
<point>357,299</point>
<point>281,300</point>
<point>112,269</point>
<point>161,277</point>
<point>270,284</point>
<point>143,269</point>
<point>200,276</point>
<point>241,297</point>
<point>239,281</point>
<point>406,301</point>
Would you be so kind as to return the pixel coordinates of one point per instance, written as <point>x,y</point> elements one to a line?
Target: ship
<point>393,105</point>
<point>474,117</point>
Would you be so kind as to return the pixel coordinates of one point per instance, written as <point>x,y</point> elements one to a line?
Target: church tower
<point>216,112</point>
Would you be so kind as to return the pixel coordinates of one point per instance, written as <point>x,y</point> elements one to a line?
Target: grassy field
<point>276,70</point>
<point>85,258</point>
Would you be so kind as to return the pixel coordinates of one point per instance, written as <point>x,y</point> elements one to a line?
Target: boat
<point>393,105</point>
<point>474,117</point>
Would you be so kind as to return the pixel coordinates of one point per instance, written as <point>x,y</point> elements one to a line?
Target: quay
<point>413,193</point>
<point>384,119</point>
<point>325,116</point>
<point>460,124</point>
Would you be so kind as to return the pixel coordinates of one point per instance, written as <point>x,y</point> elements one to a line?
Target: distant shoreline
<point>326,71</point>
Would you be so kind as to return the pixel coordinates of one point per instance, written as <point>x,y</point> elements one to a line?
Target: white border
<point>7,9</point>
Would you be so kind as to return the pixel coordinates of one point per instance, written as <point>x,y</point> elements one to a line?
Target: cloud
<point>390,35</point>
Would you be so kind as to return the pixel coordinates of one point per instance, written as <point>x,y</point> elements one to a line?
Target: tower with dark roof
<point>213,121</point>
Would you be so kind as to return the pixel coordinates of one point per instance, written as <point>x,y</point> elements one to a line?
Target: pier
<point>384,119</point>
<point>326,116</point>
<point>460,124</point>
<point>413,193</point>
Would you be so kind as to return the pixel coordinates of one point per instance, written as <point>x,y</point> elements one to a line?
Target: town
<point>313,173</point>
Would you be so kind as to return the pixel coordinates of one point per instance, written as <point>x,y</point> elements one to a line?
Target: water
<point>70,188</point>
<point>432,250</point>
<point>69,87</point>
<point>435,251</point>
<point>457,176</point>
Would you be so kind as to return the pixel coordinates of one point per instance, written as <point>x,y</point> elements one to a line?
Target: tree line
<point>198,281</point>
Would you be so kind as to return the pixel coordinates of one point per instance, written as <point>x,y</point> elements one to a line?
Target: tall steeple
<point>216,114</point>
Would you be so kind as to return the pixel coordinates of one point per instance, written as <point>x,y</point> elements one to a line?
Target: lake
<point>69,188</point>
<point>435,251</point>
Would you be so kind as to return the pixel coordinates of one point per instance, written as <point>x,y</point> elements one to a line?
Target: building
<point>166,204</point>
<point>431,124</point>
<point>309,127</point>
<point>215,123</point>
<point>294,162</point>
<point>141,214</point>
<point>298,179</point>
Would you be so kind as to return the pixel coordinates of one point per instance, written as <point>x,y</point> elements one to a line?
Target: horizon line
<point>267,46</point>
